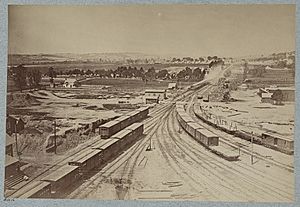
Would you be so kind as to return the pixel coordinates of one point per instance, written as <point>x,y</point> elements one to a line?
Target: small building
<point>151,100</point>
<point>71,83</point>
<point>9,145</point>
<point>267,98</point>
<point>288,93</point>
<point>14,124</point>
<point>161,94</point>
<point>172,86</point>
<point>279,142</point>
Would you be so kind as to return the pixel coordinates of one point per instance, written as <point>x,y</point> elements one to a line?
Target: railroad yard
<point>167,162</point>
<point>162,102</point>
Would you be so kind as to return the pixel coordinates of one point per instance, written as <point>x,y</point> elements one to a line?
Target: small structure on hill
<point>160,94</point>
<point>172,86</point>
<point>71,83</point>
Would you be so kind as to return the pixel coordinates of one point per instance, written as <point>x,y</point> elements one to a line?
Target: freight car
<point>110,128</point>
<point>62,178</point>
<point>36,189</point>
<point>87,161</point>
<point>129,135</point>
<point>202,135</point>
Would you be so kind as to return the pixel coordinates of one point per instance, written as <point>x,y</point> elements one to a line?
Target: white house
<point>70,83</point>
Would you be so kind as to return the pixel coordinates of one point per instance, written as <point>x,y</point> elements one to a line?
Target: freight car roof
<point>109,124</point>
<point>88,153</point>
<point>144,108</point>
<point>134,126</point>
<point>121,134</point>
<point>107,144</point>
<point>98,145</point>
<point>31,189</point>
<point>60,173</point>
<point>207,133</point>
<point>122,118</point>
<point>195,125</point>
<point>132,113</point>
<point>91,154</point>
<point>34,189</point>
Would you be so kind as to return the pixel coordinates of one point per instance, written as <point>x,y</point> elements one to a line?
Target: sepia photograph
<point>151,102</point>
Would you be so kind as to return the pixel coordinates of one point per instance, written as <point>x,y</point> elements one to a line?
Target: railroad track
<point>247,176</point>
<point>65,160</point>
<point>225,138</point>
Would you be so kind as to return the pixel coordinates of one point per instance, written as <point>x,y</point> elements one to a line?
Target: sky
<point>177,29</point>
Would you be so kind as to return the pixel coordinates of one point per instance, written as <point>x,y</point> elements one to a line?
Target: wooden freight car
<point>62,178</point>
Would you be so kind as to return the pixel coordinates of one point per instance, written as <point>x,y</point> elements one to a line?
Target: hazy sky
<point>196,30</point>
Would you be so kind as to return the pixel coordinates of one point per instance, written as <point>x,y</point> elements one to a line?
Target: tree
<point>37,77</point>
<point>277,96</point>
<point>20,74</point>
<point>197,73</point>
<point>163,74</point>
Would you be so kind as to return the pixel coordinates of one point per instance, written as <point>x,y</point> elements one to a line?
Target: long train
<point>202,135</point>
<point>120,137</point>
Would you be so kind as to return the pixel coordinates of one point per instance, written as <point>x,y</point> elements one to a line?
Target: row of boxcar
<point>273,141</point>
<point>108,129</point>
<point>202,135</point>
<point>88,161</point>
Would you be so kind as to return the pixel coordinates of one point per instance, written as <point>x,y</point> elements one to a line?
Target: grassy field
<point>132,83</point>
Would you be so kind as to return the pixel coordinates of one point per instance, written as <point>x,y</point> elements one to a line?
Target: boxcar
<point>109,128</point>
<point>144,111</point>
<point>36,189</point>
<point>124,121</point>
<point>87,161</point>
<point>109,150</point>
<point>207,138</point>
<point>134,116</point>
<point>62,178</point>
<point>137,130</point>
<point>185,119</point>
<point>191,128</point>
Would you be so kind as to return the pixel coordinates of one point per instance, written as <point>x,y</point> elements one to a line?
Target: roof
<point>154,91</point>
<point>9,140</point>
<point>152,98</point>
<point>172,85</point>
<point>84,153</point>
<point>36,187</point>
<point>70,80</point>
<point>9,160</point>
<point>195,125</point>
<point>281,88</point>
<point>107,144</point>
<point>275,135</point>
<point>121,134</point>
<point>132,113</point>
<point>143,108</point>
<point>266,95</point>
<point>109,124</point>
<point>102,143</point>
<point>60,173</point>
<point>134,126</point>
<point>207,133</point>
<point>91,154</point>
<point>122,118</point>
<point>31,189</point>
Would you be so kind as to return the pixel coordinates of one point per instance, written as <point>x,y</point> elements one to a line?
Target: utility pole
<point>251,148</point>
<point>55,146</point>
<point>16,138</point>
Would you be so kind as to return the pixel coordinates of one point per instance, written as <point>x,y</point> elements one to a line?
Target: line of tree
<point>24,79</point>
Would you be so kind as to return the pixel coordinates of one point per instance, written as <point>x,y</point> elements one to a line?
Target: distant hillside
<point>15,59</point>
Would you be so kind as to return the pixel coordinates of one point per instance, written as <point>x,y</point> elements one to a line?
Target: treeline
<point>24,78</point>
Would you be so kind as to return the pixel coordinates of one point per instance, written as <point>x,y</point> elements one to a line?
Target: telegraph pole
<point>55,136</point>
<point>16,138</point>
<point>251,148</point>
